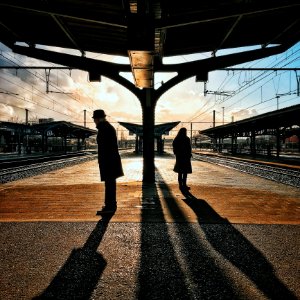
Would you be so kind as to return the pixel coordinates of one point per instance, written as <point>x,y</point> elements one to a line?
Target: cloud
<point>240,114</point>
<point>180,102</point>
<point>6,111</point>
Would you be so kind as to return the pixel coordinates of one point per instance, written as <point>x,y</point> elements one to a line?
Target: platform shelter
<point>159,131</point>
<point>25,138</point>
<point>282,124</point>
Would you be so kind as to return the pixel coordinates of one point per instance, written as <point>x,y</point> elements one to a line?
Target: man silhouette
<point>109,160</point>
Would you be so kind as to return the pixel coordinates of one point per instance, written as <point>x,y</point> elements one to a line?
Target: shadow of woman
<point>233,246</point>
<point>81,272</point>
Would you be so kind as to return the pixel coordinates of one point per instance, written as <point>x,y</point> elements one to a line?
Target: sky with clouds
<point>233,95</point>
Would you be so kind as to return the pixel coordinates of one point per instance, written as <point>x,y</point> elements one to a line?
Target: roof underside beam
<point>59,12</point>
<point>237,20</point>
<point>234,11</point>
<point>224,61</point>
<point>67,33</point>
<point>273,40</point>
<point>12,32</point>
<point>76,62</point>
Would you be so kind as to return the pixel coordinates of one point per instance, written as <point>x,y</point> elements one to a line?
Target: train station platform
<point>76,193</point>
<point>234,236</point>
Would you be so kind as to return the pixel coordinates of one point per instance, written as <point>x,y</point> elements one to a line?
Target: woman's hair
<point>181,133</point>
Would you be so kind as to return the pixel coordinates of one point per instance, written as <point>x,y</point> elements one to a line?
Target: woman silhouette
<point>183,153</point>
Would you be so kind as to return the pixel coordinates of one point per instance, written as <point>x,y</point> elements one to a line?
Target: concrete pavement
<point>234,236</point>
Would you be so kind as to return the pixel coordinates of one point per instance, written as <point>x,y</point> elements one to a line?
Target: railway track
<point>13,169</point>
<point>23,161</point>
<point>278,174</point>
<point>17,169</point>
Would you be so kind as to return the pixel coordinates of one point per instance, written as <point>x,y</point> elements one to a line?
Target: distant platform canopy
<point>263,124</point>
<point>52,136</point>
<point>56,128</point>
<point>159,130</point>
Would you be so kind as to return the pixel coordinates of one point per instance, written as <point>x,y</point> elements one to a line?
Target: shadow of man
<point>233,246</point>
<point>81,272</point>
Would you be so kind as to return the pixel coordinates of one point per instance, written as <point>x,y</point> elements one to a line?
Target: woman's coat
<point>183,153</point>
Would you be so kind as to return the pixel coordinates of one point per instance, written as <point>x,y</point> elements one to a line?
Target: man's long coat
<point>108,153</point>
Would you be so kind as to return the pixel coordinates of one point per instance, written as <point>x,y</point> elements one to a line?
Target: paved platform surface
<point>234,236</point>
<point>75,194</point>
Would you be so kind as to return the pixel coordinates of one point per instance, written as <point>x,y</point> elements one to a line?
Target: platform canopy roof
<point>159,129</point>
<point>282,118</point>
<point>147,31</point>
<point>59,128</point>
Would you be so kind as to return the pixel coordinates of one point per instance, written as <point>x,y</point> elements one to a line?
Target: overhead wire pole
<point>84,122</point>
<point>270,69</point>
<point>26,116</point>
<point>223,108</point>
<point>191,133</point>
<point>274,68</point>
<point>47,70</point>
<point>298,83</point>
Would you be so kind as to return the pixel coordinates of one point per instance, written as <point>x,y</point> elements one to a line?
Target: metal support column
<point>192,134</point>
<point>220,145</point>
<point>65,143</point>
<point>19,141</point>
<point>253,143</point>
<point>137,144</point>
<point>232,143</point>
<point>278,146</point>
<point>148,108</point>
<point>78,144</point>
<point>44,133</point>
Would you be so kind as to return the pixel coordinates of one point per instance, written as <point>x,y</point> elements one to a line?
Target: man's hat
<point>99,113</point>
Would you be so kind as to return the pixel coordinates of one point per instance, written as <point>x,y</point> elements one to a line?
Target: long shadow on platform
<point>236,249</point>
<point>207,277</point>
<point>81,272</point>
<point>160,276</point>
<point>204,277</point>
<point>175,263</point>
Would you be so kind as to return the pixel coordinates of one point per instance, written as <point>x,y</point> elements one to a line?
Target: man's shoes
<point>106,211</point>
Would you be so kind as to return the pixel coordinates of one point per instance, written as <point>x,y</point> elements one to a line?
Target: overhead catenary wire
<point>288,59</point>
<point>46,97</point>
<point>41,77</point>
